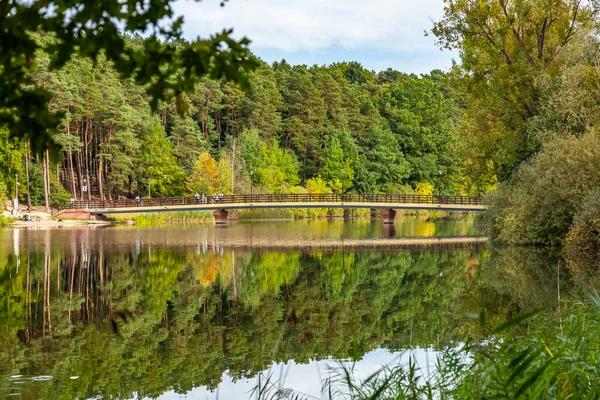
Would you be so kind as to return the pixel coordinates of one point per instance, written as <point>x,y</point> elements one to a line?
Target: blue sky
<point>379,34</point>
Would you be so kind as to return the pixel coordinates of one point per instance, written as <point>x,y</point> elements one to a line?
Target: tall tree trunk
<point>71,169</point>
<point>80,172</point>
<point>47,277</point>
<point>100,178</point>
<point>218,125</point>
<point>72,175</point>
<point>46,181</point>
<point>88,140</point>
<point>105,175</point>
<point>27,155</point>
<point>232,165</point>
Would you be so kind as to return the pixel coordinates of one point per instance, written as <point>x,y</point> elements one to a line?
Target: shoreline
<point>382,244</point>
<point>57,224</point>
<point>47,221</point>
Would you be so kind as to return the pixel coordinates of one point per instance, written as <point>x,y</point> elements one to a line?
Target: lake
<point>204,311</point>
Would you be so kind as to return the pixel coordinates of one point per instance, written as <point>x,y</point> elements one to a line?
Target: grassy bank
<point>5,221</point>
<point>175,217</point>
<point>311,213</point>
<point>182,217</point>
<point>300,213</point>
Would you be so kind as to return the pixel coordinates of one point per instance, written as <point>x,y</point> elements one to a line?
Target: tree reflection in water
<point>143,318</point>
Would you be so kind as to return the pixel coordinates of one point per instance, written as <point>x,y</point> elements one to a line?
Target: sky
<point>307,378</point>
<point>379,34</point>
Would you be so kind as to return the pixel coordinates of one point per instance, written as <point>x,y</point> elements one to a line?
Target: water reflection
<point>141,312</point>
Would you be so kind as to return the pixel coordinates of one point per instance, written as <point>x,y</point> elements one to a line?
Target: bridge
<point>220,205</point>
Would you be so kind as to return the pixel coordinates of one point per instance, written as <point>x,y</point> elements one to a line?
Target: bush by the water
<point>178,217</point>
<point>540,204</point>
<point>5,221</point>
<point>585,231</point>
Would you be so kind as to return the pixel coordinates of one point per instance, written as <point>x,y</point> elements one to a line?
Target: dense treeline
<point>528,84</point>
<point>523,93</point>
<point>299,128</point>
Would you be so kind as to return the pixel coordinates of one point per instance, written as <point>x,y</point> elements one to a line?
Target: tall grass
<point>555,355</point>
<point>6,220</point>
<point>300,213</point>
<point>182,217</point>
<point>264,213</point>
<point>175,217</point>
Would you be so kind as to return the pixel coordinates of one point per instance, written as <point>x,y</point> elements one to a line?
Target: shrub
<point>585,230</point>
<point>539,205</point>
<point>58,194</point>
<point>424,188</point>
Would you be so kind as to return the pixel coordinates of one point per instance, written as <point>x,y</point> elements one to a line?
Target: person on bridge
<point>137,200</point>
<point>197,197</point>
<point>204,201</point>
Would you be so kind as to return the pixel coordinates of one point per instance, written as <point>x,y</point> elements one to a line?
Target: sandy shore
<point>46,220</point>
<point>50,223</point>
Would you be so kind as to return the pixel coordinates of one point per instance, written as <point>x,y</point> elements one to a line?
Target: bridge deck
<point>307,200</point>
<point>239,206</point>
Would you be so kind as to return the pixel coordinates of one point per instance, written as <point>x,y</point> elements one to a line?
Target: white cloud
<point>313,25</point>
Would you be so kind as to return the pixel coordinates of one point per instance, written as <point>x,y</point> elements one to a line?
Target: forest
<point>298,129</point>
<point>514,119</point>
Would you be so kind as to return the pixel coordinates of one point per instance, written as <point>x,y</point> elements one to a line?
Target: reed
<point>176,217</point>
<point>533,356</point>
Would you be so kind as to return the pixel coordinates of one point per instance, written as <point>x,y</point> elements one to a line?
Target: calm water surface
<point>199,312</point>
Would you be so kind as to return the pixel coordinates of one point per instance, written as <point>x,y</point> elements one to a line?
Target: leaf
<point>532,379</point>
<point>516,321</point>
<point>523,361</point>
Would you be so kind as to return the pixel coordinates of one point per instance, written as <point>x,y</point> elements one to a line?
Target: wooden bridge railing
<point>272,198</point>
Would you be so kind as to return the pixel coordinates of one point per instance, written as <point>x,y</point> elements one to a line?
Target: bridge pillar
<point>220,216</point>
<point>388,215</point>
<point>388,230</point>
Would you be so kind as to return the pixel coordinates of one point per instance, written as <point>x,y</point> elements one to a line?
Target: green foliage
<point>250,149</point>
<point>152,318</point>
<point>166,69</point>
<point>5,221</point>
<point>539,205</point>
<point>205,178</point>
<point>58,194</point>
<point>315,186</point>
<point>121,150</point>
<point>421,117</point>
<point>36,180</point>
<point>177,217</point>
<point>584,232</point>
<point>187,140</point>
<point>269,167</point>
<point>505,48</point>
<point>159,166</point>
<point>11,159</point>
<point>278,169</point>
<point>337,170</point>
<point>543,359</point>
<point>294,125</point>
